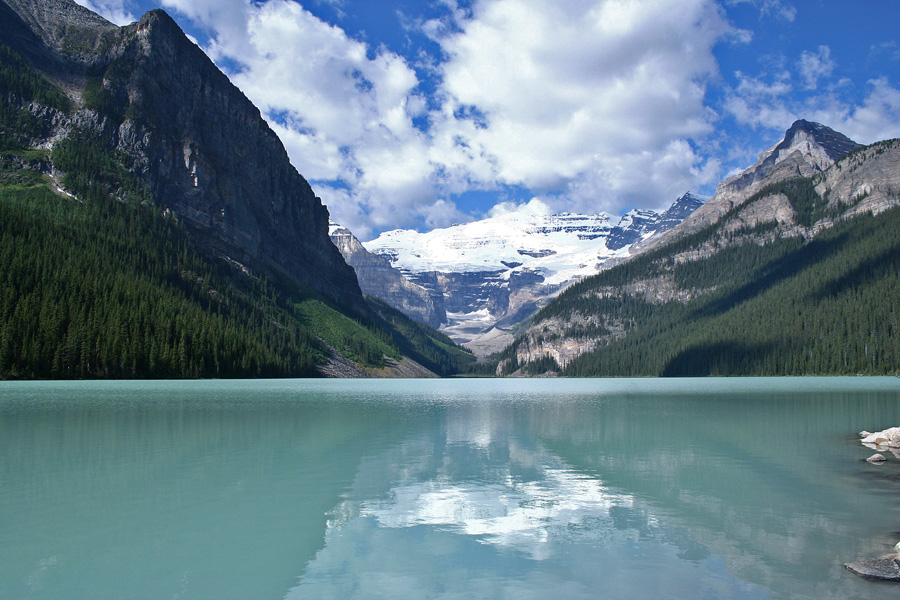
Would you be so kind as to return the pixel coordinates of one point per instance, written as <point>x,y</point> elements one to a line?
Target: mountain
<point>493,273</point>
<point>190,138</point>
<point>793,268</point>
<point>126,149</point>
<point>377,277</point>
<point>806,150</point>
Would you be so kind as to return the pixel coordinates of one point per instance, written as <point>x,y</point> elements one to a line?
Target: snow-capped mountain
<point>559,247</point>
<point>495,272</point>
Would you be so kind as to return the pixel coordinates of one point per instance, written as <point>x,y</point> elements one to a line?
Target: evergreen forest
<point>760,305</point>
<point>97,282</point>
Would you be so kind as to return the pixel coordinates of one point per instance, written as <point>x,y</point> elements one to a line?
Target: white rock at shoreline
<point>876,458</point>
<point>889,438</point>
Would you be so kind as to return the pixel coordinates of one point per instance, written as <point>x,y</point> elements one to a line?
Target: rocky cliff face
<point>836,178</point>
<point>807,149</point>
<point>867,180</point>
<point>191,138</point>
<point>377,277</point>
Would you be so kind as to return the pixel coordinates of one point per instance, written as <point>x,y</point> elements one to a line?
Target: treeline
<point>101,289</point>
<point>428,347</point>
<point>99,283</point>
<point>830,306</point>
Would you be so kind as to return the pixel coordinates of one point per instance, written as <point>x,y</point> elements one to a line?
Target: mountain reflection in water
<point>639,489</point>
<point>476,509</point>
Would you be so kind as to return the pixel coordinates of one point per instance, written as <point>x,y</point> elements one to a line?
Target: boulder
<point>885,569</point>
<point>876,458</point>
<point>888,438</point>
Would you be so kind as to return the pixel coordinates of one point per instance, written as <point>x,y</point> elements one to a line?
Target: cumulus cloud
<point>582,96</point>
<point>588,103</point>
<point>876,118</point>
<point>114,11</point>
<point>815,65</point>
<point>534,207</point>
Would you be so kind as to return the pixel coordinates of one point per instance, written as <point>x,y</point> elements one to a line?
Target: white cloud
<point>876,118</point>
<point>588,102</point>
<point>815,65</point>
<point>771,8</point>
<point>534,207</point>
<point>583,96</point>
<point>114,11</point>
<point>758,103</point>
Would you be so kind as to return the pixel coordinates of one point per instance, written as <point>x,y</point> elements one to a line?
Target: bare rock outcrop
<point>806,150</point>
<point>377,277</point>
<point>191,138</point>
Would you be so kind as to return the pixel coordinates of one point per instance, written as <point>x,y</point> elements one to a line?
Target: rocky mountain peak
<point>819,144</point>
<point>59,37</point>
<point>807,149</point>
<point>188,136</point>
<point>52,18</point>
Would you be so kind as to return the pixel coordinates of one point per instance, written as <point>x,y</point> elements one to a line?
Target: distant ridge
<point>491,274</point>
<point>790,269</point>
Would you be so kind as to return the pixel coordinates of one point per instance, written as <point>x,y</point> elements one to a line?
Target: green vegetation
<point>428,347</point>
<point>101,289</point>
<point>830,306</point>
<point>96,287</point>
<point>102,284</point>
<point>20,85</point>
<point>93,172</point>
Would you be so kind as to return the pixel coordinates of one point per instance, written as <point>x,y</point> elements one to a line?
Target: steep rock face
<point>806,150</point>
<point>377,277</point>
<point>834,179</point>
<point>189,135</point>
<point>867,180</point>
<point>59,37</point>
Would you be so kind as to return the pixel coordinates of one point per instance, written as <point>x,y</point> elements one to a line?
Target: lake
<point>479,488</point>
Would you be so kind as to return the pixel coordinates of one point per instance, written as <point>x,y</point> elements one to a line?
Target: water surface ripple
<point>589,488</point>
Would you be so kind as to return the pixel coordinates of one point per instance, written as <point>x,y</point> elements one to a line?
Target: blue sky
<point>420,114</point>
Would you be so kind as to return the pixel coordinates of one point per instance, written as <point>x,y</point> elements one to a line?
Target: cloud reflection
<point>477,507</point>
<point>523,515</point>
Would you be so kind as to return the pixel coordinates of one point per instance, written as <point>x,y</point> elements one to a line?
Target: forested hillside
<point>818,295</point>
<point>100,281</point>
<point>95,287</point>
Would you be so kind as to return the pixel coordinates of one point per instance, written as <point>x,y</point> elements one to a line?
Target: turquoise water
<point>678,488</point>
